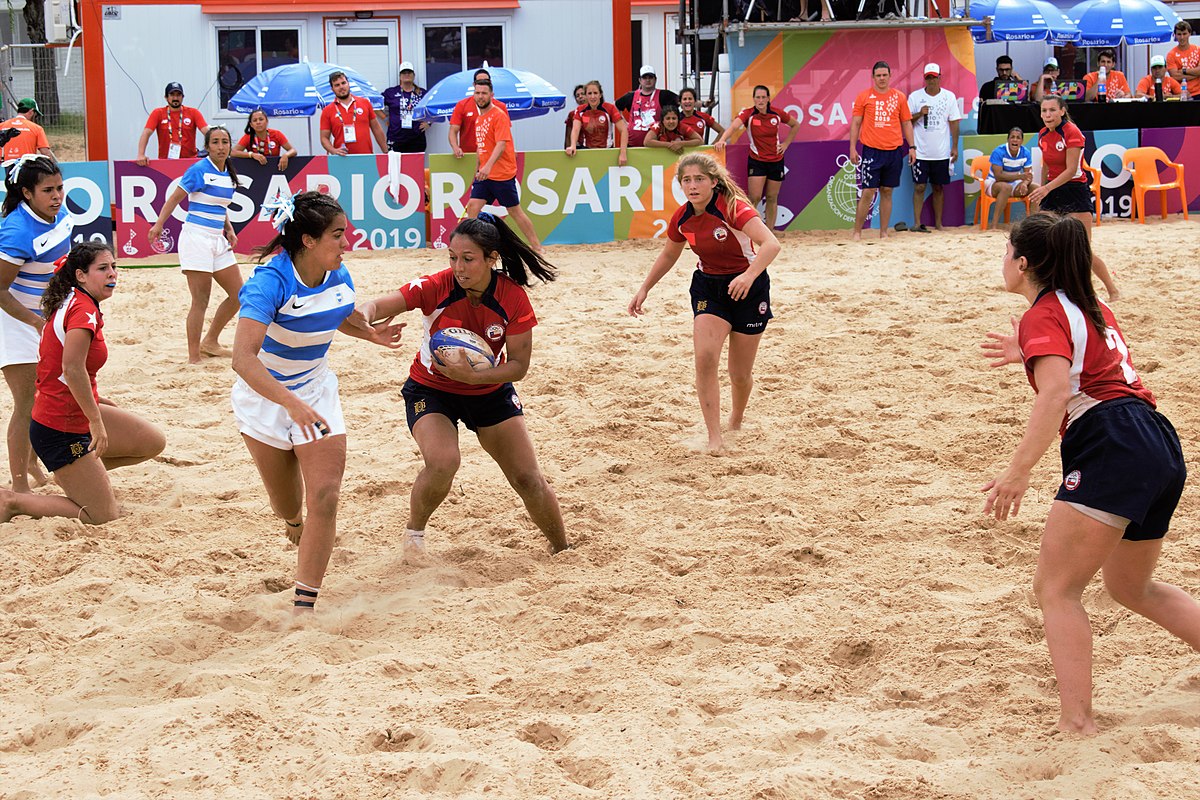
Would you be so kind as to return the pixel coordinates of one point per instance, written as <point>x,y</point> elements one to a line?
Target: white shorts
<point>269,422</point>
<point>18,342</point>
<point>203,251</point>
<point>987,186</point>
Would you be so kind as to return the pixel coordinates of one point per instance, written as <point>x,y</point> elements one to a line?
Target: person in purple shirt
<point>404,134</point>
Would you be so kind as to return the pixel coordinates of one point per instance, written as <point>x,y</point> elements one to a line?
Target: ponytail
<point>308,213</point>
<point>1060,258</point>
<point>22,174</point>
<point>62,281</point>
<point>517,259</point>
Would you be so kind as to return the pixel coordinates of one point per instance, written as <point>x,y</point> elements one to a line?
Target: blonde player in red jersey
<point>731,292</point>
<point>1122,466</point>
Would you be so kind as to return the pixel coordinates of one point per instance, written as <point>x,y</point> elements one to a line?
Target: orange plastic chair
<point>1142,163</point>
<point>1094,177</point>
<point>981,167</point>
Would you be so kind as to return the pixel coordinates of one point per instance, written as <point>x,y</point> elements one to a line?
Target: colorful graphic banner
<point>816,75</point>
<point>86,186</point>
<point>377,221</point>
<point>579,200</point>
<point>1181,145</point>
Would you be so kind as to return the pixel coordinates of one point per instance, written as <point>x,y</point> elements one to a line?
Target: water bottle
<point>925,119</point>
<point>1158,95</point>
<point>1102,91</point>
<point>1183,95</point>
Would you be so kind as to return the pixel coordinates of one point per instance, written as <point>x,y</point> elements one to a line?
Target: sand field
<point>820,612</point>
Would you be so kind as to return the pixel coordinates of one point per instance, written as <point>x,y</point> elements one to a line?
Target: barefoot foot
<point>215,350</point>
<point>294,530</point>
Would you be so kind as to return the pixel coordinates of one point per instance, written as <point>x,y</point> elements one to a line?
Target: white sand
<point>823,612</point>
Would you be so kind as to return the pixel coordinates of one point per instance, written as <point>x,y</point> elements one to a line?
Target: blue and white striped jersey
<point>300,320</point>
<point>34,245</point>
<point>210,190</point>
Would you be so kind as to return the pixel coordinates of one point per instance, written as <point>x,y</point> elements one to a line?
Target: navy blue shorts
<point>880,168</point>
<point>771,170</point>
<point>475,410</point>
<point>710,295</point>
<point>935,172</point>
<point>503,193</point>
<point>55,448</point>
<point>1070,198</point>
<point>1123,457</point>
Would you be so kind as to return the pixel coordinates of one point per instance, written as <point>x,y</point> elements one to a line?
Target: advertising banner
<point>376,219</point>
<point>570,200</point>
<point>1181,145</point>
<point>86,187</point>
<point>816,75</point>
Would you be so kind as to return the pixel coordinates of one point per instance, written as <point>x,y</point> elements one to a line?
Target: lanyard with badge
<point>349,132</point>
<point>407,104</point>
<point>174,145</point>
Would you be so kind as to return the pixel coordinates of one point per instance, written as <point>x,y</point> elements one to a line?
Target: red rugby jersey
<point>1101,368</point>
<point>1054,146</point>
<point>720,244</point>
<point>503,310</point>
<point>664,135</point>
<point>53,405</point>
<point>598,126</point>
<point>699,122</point>
<point>764,132</point>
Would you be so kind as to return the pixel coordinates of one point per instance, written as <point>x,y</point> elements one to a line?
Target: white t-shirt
<point>933,139</point>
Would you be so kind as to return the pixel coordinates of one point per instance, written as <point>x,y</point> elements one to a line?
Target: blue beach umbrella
<point>1023,21</point>
<point>298,90</point>
<point>1108,23</point>
<point>525,94</point>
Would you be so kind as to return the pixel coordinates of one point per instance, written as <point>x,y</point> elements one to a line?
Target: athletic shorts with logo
<point>710,295</point>
<point>473,410</point>
<point>1123,457</point>
<point>880,168</point>
<point>934,172</point>
<point>270,423</point>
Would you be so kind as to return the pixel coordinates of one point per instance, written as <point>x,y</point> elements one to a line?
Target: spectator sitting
<point>261,142</point>
<point>1116,85</point>
<point>1047,85</point>
<point>29,137</point>
<point>1158,74</point>
<point>1011,172</point>
<point>1004,72</point>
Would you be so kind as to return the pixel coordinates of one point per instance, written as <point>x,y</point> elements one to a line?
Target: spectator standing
<point>645,105</point>
<point>881,116</point>
<point>349,122</point>
<point>176,126</point>
<point>404,135</point>
<point>260,142</point>
<point>935,116</point>
<point>598,124</point>
<point>765,169</point>
<point>1183,60</point>
<point>1115,84</point>
<point>580,95</point>
<point>462,121</point>
<point>30,138</point>
<point>692,119</point>
<point>1158,75</point>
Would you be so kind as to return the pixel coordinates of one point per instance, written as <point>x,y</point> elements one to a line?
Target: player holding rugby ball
<point>482,292</point>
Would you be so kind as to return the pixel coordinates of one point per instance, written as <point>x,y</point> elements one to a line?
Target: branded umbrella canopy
<point>523,93</point>
<point>1023,21</point>
<point>1113,22</point>
<point>298,90</point>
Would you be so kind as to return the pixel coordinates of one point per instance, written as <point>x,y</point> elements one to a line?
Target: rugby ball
<point>451,344</point>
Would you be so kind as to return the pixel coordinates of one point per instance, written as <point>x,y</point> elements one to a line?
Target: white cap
<point>1158,61</point>
<point>407,66</point>
<point>932,69</point>
<point>647,69</point>
<point>1051,62</point>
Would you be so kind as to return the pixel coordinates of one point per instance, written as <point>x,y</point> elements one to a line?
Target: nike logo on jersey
<point>296,305</point>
